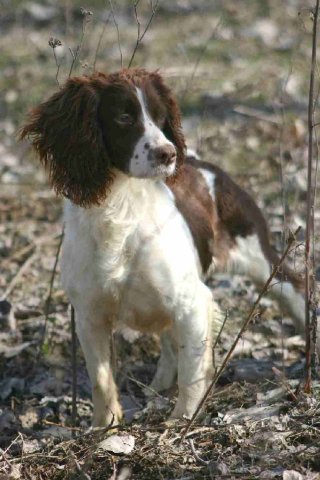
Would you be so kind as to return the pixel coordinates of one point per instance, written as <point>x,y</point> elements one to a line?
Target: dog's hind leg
<point>167,368</point>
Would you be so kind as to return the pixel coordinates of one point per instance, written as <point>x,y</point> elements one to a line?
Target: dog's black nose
<point>165,155</point>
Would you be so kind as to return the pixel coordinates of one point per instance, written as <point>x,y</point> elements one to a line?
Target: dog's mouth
<point>161,170</point>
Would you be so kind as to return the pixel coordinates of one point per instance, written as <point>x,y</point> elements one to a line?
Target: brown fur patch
<point>66,134</point>
<point>215,224</point>
<point>194,202</point>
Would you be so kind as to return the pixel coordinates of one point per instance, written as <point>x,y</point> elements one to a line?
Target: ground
<point>241,73</point>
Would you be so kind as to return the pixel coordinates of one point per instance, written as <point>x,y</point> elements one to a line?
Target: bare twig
<point>139,35</point>
<point>4,452</point>
<point>189,82</point>
<point>281,131</point>
<point>82,475</point>
<point>58,66</point>
<point>309,283</point>
<point>284,382</point>
<point>196,456</point>
<point>22,270</point>
<point>48,300</point>
<point>74,370</point>
<point>53,43</point>
<point>61,425</point>
<point>87,14</point>
<point>221,329</point>
<point>257,114</point>
<point>118,31</point>
<point>143,385</point>
<point>18,254</point>
<point>132,395</point>
<point>245,324</point>
<point>104,28</point>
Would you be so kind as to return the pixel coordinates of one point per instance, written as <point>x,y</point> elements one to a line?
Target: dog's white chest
<point>136,254</point>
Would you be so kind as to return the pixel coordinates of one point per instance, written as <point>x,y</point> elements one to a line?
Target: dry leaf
<point>292,475</point>
<point>117,444</point>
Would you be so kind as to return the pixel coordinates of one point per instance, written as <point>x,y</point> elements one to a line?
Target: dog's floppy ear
<point>172,127</point>
<point>65,133</point>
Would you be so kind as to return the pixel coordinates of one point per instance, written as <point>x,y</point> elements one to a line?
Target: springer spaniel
<point>145,226</point>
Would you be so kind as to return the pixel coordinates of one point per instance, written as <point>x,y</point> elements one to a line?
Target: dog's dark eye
<point>124,119</point>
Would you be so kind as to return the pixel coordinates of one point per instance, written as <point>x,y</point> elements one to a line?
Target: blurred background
<point>240,70</point>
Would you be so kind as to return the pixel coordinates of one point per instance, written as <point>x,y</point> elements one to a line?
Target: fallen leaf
<point>292,475</point>
<point>244,415</point>
<point>117,444</point>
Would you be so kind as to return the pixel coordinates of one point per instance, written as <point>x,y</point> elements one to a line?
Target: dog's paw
<point>110,418</point>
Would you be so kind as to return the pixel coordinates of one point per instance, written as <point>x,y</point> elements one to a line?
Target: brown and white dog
<point>145,226</point>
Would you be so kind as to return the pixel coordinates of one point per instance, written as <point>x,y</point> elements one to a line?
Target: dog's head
<point>128,121</point>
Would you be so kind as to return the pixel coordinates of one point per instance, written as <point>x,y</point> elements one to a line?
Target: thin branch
<point>87,14</point>
<point>221,329</point>
<point>58,67</point>
<point>22,270</point>
<point>18,254</point>
<point>198,60</point>
<point>143,385</point>
<point>310,205</point>
<point>74,370</point>
<point>81,473</point>
<point>118,31</point>
<point>281,131</point>
<point>53,43</point>
<point>139,35</point>
<point>245,324</point>
<point>49,297</point>
<point>257,114</point>
<point>315,302</point>
<point>285,383</point>
<point>196,456</point>
<point>100,40</point>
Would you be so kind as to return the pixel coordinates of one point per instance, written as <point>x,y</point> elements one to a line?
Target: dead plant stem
<point>104,28</point>
<point>309,284</point>
<point>24,267</point>
<point>118,32</point>
<point>74,371</point>
<point>139,35</point>
<point>49,297</point>
<point>86,18</point>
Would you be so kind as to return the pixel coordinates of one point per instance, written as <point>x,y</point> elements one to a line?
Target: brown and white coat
<point>145,226</point>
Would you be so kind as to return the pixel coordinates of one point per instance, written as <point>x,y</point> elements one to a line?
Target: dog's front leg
<point>194,335</point>
<point>94,334</point>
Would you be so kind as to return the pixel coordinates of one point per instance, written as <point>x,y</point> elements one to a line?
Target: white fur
<point>192,154</point>
<point>132,262</point>
<point>140,165</point>
<point>210,179</point>
<point>248,258</point>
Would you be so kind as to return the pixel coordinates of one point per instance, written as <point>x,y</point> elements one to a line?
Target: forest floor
<point>240,71</point>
